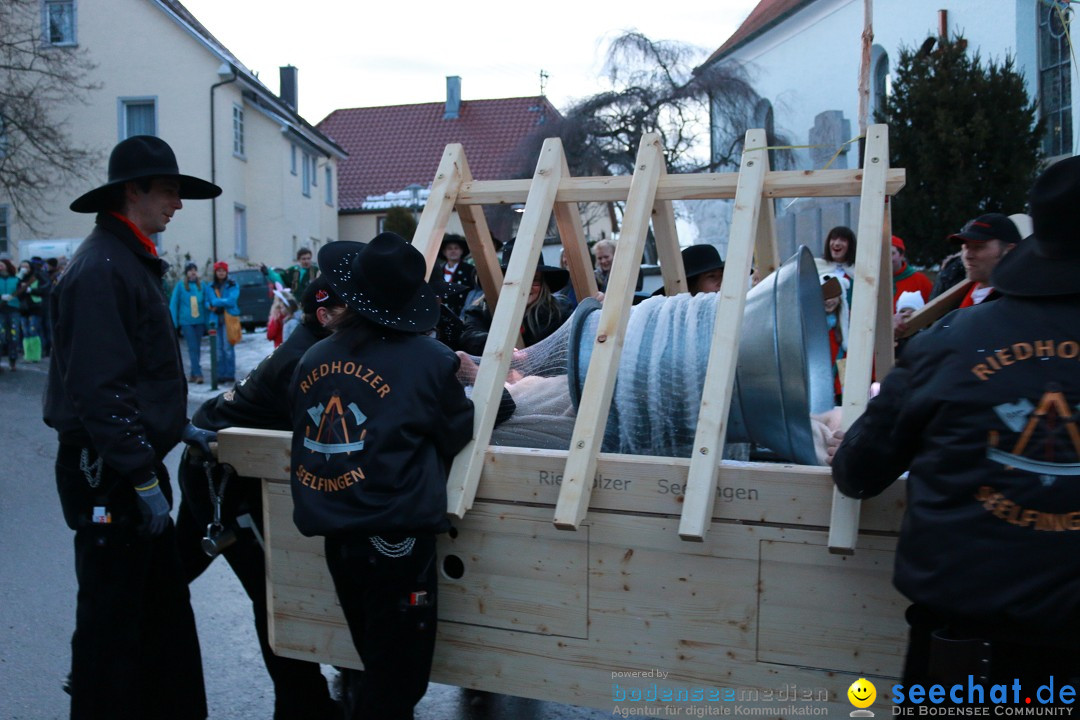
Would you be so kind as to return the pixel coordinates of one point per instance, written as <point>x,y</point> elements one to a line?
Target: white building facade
<point>803,58</point>
<point>162,73</point>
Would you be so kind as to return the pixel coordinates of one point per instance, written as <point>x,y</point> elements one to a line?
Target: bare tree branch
<point>38,80</point>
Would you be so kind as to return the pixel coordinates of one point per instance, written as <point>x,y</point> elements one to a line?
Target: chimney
<point>453,97</point>
<point>288,86</point>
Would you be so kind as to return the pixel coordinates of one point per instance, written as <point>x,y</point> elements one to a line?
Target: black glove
<point>153,506</point>
<point>199,440</point>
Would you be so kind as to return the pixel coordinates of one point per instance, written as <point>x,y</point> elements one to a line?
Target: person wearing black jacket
<point>459,276</point>
<point>259,401</point>
<point>982,410</point>
<point>378,415</point>
<point>117,398</point>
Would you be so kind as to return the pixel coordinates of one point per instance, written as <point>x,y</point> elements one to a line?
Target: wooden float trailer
<point>568,572</point>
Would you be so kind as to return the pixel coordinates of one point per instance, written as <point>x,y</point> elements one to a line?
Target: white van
<point>45,249</point>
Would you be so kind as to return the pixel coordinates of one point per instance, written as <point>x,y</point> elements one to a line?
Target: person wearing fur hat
<point>190,313</point>
<point>378,415</point>
<point>981,411</point>
<point>259,401</point>
<point>117,398</point>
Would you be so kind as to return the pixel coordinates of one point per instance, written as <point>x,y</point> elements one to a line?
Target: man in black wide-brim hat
<point>378,415</point>
<point>982,409</point>
<point>117,398</point>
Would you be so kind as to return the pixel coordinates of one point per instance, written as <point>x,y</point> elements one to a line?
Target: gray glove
<point>153,506</point>
<point>200,439</point>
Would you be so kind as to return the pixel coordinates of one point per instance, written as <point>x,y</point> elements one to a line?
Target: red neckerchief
<point>969,300</point>
<point>146,242</point>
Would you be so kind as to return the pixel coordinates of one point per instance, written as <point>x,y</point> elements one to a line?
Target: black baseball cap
<point>991,226</point>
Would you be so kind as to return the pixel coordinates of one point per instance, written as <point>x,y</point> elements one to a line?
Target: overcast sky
<point>362,54</point>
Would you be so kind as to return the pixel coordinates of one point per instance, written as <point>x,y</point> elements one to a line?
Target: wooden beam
<point>712,420</point>
<point>667,246</point>
<point>870,276</point>
<point>572,234</point>
<point>698,186</point>
<point>445,187</point>
<point>884,345</point>
<point>936,309</point>
<point>588,435</point>
<point>505,325</point>
<point>482,249</point>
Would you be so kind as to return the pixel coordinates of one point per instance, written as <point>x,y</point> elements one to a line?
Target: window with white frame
<point>138,116</point>
<point>1055,76</point>
<point>292,159</point>
<point>240,248</point>
<point>59,19</point>
<point>329,191</point>
<point>315,170</point>
<point>238,131</point>
<point>306,176</point>
<point>3,229</point>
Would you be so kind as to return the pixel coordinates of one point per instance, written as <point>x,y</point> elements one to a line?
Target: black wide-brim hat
<point>700,259</point>
<point>143,156</point>
<point>383,280</point>
<point>555,278</point>
<point>457,240</point>
<point>1048,262</point>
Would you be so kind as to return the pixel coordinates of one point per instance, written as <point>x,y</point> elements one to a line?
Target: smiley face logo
<point>862,693</point>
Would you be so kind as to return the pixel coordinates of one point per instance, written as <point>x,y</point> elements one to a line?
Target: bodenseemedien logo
<point>862,694</point>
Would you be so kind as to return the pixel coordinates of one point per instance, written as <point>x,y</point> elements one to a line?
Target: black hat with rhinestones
<point>383,280</point>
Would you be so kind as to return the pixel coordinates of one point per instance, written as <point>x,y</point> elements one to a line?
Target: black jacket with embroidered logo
<point>374,430</point>
<point>983,410</point>
<point>116,381</point>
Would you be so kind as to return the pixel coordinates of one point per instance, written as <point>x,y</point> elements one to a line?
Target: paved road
<point>37,590</point>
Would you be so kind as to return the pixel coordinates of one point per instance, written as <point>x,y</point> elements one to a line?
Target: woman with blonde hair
<point>545,310</point>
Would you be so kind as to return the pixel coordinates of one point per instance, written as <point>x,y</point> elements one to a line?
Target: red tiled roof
<point>392,147</point>
<point>761,18</point>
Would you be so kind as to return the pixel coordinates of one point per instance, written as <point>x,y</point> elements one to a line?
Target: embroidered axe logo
<point>333,434</point>
<point>1049,429</point>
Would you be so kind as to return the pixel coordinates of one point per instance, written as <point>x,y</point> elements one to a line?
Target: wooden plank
<point>723,352</point>
<point>667,246</point>
<point>255,452</point>
<point>481,247</point>
<point>869,279</point>
<point>698,186</point>
<point>884,345</point>
<point>936,309</point>
<point>776,493</point>
<point>766,248</point>
<point>505,325</point>
<point>799,580</point>
<point>607,348</point>
<point>576,248</point>
<point>440,203</point>
<point>724,608</point>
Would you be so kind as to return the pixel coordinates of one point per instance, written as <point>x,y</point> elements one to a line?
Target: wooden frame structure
<point>717,573</point>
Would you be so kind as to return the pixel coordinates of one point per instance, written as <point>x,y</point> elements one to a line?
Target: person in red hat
<point>222,296</point>
<point>905,277</point>
<point>981,411</point>
<point>117,398</point>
